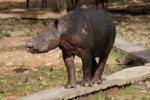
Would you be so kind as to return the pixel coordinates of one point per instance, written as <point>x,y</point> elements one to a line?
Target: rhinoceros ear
<point>60,25</point>
<point>46,23</point>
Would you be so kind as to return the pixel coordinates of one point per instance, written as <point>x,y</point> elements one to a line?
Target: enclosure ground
<point>18,68</point>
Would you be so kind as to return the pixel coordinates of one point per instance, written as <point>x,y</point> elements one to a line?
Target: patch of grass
<point>145,98</point>
<point>96,97</point>
<point>5,33</point>
<point>130,90</point>
<point>17,21</point>
<point>28,32</point>
<point>30,81</point>
<point>115,54</point>
<point>17,27</point>
<point>1,94</point>
<point>16,32</point>
<point>113,66</point>
<point>128,93</point>
<point>133,92</point>
<point>13,21</point>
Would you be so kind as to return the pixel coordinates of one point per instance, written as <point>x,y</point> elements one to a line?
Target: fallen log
<point>132,52</point>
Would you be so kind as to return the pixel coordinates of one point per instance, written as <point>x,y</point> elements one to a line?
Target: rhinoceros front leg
<point>69,62</point>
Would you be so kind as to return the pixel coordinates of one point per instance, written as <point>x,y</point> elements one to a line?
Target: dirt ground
<point>13,54</point>
<point>135,29</point>
<point>14,58</point>
<point>14,46</point>
<point>18,3</point>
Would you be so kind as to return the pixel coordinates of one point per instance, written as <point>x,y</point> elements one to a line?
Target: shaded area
<point>132,10</point>
<point>21,70</point>
<point>130,7</point>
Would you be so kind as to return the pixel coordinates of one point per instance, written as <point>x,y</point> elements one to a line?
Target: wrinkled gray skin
<point>86,33</point>
<point>44,41</point>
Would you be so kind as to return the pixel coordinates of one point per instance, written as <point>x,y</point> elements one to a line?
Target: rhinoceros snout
<point>29,44</point>
<point>31,47</point>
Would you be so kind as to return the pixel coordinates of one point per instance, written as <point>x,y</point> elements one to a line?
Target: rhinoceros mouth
<point>32,50</point>
<point>35,51</point>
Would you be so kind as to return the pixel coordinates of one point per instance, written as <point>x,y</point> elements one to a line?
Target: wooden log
<point>133,50</point>
<point>121,78</point>
<point>130,10</point>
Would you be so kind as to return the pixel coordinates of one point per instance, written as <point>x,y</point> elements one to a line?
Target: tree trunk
<point>62,7</point>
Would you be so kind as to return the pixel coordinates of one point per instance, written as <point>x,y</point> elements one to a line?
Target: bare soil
<point>134,28</point>
<point>13,52</point>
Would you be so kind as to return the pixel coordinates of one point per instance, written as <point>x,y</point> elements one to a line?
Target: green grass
<point>29,81</point>
<point>10,27</point>
<point>1,94</point>
<point>115,54</point>
<point>130,90</point>
<point>5,33</point>
<point>18,21</point>
<point>13,31</point>
<point>128,93</point>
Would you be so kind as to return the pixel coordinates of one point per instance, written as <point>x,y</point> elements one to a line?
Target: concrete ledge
<point>123,77</point>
